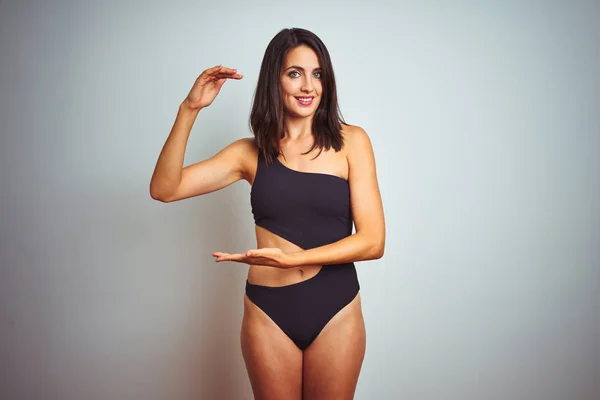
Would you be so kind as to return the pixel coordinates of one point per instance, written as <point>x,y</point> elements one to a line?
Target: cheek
<point>288,89</point>
<point>319,87</point>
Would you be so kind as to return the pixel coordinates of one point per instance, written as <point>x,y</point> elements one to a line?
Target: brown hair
<point>266,117</point>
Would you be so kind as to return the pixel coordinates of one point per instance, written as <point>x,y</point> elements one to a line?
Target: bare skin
<point>277,369</point>
<point>330,367</point>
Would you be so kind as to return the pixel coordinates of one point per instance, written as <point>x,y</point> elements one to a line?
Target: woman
<point>312,175</point>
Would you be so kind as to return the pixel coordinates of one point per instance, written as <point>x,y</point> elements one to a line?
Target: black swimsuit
<point>310,210</point>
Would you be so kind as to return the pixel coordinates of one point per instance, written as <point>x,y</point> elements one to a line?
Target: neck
<point>297,128</point>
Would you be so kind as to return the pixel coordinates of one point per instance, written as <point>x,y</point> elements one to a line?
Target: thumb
<point>220,83</point>
<point>251,253</point>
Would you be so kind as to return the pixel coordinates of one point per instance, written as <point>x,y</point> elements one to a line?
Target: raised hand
<point>208,85</point>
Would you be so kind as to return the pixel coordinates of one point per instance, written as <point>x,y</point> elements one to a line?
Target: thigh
<point>333,361</point>
<point>273,361</point>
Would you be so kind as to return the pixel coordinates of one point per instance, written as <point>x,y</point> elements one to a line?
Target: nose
<point>307,84</point>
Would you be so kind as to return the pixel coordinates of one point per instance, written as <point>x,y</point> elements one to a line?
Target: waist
<point>275,277</point>
<point>270,276</point>
<point>328,278</point>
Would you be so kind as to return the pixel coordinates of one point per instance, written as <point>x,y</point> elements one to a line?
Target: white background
<point>484,121</point>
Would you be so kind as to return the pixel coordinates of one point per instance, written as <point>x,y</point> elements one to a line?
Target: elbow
<point>158,195</point>
<point>379,252</point>
<point>164,190</point>
<point>161,198</point>
<point>378,249</point>
<point>374,246</point>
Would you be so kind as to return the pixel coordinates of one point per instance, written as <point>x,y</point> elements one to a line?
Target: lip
<point>303,104</point>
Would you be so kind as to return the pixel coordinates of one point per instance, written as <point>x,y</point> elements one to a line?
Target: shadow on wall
<point>217,368</point>
<point>211,353</point>
<point>111,294</point>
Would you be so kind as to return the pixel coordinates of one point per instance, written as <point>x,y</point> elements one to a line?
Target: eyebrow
<point>299,67</point>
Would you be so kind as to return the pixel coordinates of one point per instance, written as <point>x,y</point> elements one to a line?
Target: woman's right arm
<point>170,181</point>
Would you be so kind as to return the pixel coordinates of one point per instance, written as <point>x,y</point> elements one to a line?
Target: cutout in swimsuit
<point>309,209</point>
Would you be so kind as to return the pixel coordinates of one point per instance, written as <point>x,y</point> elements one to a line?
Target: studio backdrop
<point>484,123</point>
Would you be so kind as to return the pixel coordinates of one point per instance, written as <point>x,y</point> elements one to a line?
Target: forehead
<point>303,56</point>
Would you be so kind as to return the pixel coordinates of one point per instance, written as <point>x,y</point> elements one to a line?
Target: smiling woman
<point>294,87</point>
<point>313,176</point>
<point>296,67</point>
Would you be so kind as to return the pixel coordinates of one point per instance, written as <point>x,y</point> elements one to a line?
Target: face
<point>301,82</point>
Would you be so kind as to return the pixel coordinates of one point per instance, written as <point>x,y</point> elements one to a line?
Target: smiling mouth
<point>305,101</point>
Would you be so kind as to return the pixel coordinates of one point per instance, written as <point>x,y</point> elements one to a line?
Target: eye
<point>294,76</point>
<point>317,75</point>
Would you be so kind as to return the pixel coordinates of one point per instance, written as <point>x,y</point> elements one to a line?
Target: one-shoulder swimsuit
<point>308,209</point>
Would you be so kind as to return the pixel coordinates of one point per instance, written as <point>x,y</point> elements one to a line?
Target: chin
<point>302,111</point>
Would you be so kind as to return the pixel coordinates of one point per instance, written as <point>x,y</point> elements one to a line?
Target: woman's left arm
<point>367,211</point>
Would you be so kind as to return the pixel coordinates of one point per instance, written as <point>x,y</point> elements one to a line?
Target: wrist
<point>295,259</point>
<point>185,107</point>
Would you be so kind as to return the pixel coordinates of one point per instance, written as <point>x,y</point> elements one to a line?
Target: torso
<point>328,162</point>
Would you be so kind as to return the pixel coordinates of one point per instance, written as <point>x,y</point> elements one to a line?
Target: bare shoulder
<point>245,145</point>
<point>356,141</point>
<point>239,152</point>
<point>248,156</point>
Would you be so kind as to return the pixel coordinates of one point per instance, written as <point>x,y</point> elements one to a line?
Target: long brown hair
<point>266,118</point>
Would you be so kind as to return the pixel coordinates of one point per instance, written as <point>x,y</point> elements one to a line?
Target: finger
<point>227,70</point>
<point>229,256</point>
<point>215,78</point>
<point>254,253</point>
<point>210,71</point>
<point>220,83</point>
<point>227,76</point>
<point>222,72</point>
<point>232,257</point>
